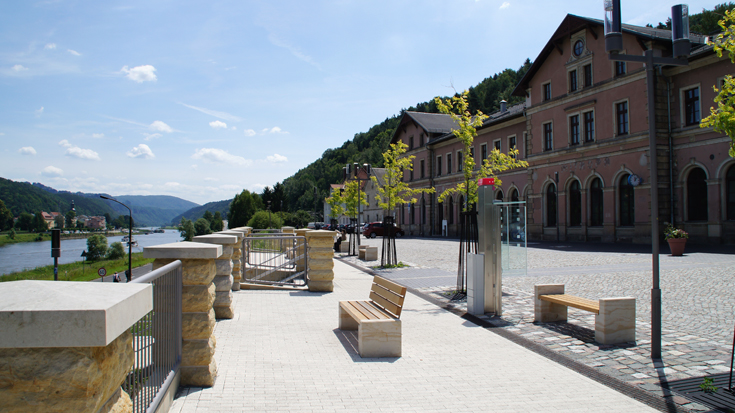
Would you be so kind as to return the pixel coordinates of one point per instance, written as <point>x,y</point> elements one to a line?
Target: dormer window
<point>578,48</point>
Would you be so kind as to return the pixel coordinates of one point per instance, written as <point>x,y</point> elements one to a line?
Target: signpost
<point>102,272</point>
<point>56,250</point>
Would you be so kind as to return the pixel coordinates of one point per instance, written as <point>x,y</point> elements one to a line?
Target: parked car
<point>375,229</point>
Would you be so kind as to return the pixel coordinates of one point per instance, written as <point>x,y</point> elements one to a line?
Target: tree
<point>351,198</point>
<point>116,251</point>
<point>70,219</point>
<point>217,224</point>
<point>208,216</point>
<point>6,217</point>
<point>11,233</point>
<point>59,221</point>
<point>201,227</point>
<point>336,204</point>
<point>242,208</point>
<point>262,220</point>
<point>722,119</point>
<point>96,247</point>
<point>25,221</point>
<point>186,229</point>
<point>39,224</point>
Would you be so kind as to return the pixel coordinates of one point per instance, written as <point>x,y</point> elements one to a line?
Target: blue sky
<point>201,100</point>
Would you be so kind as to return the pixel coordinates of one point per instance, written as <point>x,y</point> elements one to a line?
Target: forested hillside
<point>197,212</point>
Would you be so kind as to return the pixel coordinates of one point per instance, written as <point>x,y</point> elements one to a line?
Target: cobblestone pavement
<point>697,304</point>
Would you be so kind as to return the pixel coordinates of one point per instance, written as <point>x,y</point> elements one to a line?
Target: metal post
<point>129,274</point>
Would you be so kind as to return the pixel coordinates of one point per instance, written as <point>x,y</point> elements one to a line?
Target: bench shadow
<point>348,339</point>
<point>581,333</point>
<point>305,293</point>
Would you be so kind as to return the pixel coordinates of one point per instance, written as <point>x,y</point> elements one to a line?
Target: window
<point>627,202</point>
<point>412,212</point>
<point>410,143</point>
<point>574,130</point>
<point>551,205</point>
<point>596,203</point>
<point>512,144</point>
<point>460,165</point>
<point>730,192</point>
<point>499,195</point>
<point>423,211</point>
<point>514,195</point>
<point>546,87</point>
<point>548,137</point>
<point>483,151</point>
<point>422,168</point>
<point>421,139</point>
<point>578,48</point>
<point>619,68</point>
<point>589,126</point>
<point>575,204</point>
<point>496,145</point>
<point>449,163</point>
<point>621,113</point>
<point>573,80</point>
<point>587,75</point>
<point>697,195</point>
<point>438,166</point>
<point>451,210</point>
<point>691,107</point>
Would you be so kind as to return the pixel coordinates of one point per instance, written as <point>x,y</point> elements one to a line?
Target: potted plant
<point>677,239</point>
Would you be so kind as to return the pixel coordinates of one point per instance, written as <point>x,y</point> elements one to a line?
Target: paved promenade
<point>698,303</point>
<point>283,352</point>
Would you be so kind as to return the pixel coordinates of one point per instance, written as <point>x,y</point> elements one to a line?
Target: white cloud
<point>211,179</point>
<point>219,156</point>
<point>50,46</point>
<point>276,158</point>
<point>249,132</point>
<point>27,150</point>
<point>215,113</point>
<point>74,52</point>
<point>141,151</point>
<point>98,135</point>
<point>505,5</point>
<point>160,127</point>
<point>294,50</point>
<point>65,143</point>
<point>52,172</point>
<point>274,129</point>
<point>149,136</point>
<point>39,112</point>
<point>77,152</point>
<point>140,74</point>
<point>218,124</point>
<point>20,68</point>
<point>234,128</point>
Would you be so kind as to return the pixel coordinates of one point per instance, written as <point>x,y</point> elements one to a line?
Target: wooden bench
<point>377,321</point>
<point>614,317</point>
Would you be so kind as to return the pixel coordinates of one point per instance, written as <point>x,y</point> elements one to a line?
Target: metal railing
<point>157,340</point>
<point>275,259</point>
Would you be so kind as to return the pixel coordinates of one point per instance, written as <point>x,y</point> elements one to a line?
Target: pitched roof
<point>493,118</point>
<point>433,122</point>
<point>379,173</point>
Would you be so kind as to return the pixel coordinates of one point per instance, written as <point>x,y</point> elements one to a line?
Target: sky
<point>202,99</point>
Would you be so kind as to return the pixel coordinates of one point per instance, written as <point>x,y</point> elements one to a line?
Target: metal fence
<point>157,341</point>
<point>275,258</point>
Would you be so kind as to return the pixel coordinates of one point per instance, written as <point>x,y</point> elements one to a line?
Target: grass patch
<point>399,265</point>
<point>76,272</point>
<point>21,237</point>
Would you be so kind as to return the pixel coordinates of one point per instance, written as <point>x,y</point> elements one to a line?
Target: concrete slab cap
<point>69,314</point>
<point>216,239</point>
<point>232,232</point>
<point>183,250</point>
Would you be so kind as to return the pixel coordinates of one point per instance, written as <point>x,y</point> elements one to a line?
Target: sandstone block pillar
<point>223,279</point>
<point>616,322</point>
<point>544,311</point>
<point>301,250</point>
<point>198,367</point>
<point>236,257</point>
<point>67,347</point>
<point>320,261</point>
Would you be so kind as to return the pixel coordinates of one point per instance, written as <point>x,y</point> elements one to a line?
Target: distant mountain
<point>195,213</point>
<point>148,210</point>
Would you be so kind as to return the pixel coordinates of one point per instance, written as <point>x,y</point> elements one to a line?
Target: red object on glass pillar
<point>486,181</point>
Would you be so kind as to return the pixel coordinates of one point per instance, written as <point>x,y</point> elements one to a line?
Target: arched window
<point>499,195</point>
<point>697,195</point>
<point>551,205</point>
<point>596,203</point>
<point>412,210</point>
<point>627,202</point>
<point>440,209</point>
<point>451,210</point>
<point>730,193</point>
<point>575,204</point>
<point>514,195</point>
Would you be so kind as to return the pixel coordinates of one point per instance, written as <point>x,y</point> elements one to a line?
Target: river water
<point>29,255</point>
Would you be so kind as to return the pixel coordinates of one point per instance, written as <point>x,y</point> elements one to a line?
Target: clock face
<point>578,48</point>
<point>634,180</point>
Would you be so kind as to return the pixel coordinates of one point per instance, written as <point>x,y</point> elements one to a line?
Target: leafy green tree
<point>242,208</point>
<point>39,224</point>
<point>201,227</point>
<point>6,217</point>
<point>116,251</point>
<point>352,198</point>
<point>186,229</point>
<point>722,119</point>
<point>25,221</point>
<point>261,220</point>
<point>70,219</point>
<point>336,204</point>
<point>217,224</point>
<point>96,247</point>
<point>11,233</point>
<point>208,216</point>
<point>59,221</point>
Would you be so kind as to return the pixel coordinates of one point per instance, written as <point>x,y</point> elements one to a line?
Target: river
<point>29,255</point>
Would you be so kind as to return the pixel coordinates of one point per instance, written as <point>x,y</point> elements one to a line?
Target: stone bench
<point>614,317</point>
<point>377,321</point>
<point>367,253</point>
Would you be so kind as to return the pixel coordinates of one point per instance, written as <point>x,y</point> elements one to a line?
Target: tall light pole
<point>129,275</point>
<point>681,49</point>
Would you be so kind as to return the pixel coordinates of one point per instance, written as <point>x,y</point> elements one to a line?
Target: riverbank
<point>78,271</point>
<point>21,237</point>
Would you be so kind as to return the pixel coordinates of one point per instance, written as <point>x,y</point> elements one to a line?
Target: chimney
<point>503,106</point>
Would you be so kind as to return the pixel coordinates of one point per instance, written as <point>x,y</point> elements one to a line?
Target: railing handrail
<point>149,277</point>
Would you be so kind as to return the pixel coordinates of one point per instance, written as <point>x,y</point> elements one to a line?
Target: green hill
<point>197,212</point>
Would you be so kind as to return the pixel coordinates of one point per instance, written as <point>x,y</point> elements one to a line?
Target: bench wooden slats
<point>369,311</point>
<point>572,301</point>
<point>388,295</point>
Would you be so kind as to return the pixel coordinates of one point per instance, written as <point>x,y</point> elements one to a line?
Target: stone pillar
<point>544,311</point>
<point>223,279</point>
<point>236,257</point>
<point>67,347</point>
<point>198,368</point>
<point>301,250</point>
<point>320,262</point>
<point>288,230</point>
<point>245,231</point>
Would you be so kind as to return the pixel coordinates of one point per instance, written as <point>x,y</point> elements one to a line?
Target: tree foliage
<point>263,220</point>
<point>6,217</point>
<point>351,198</point>
<point>116,251</point>
<point>706,22</point>
<point>39,224</point>
<point>722,118</point>
<point>25,222</point>
<point>201,227</point>
<point>70,219</point>
<point>96,247</point>
<point>186,229</point>
<point>243,207</point>
<point>394,190</point>
<point>336,204</point>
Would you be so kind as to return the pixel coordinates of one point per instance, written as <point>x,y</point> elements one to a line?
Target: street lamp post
<point>681,49</point>
<point>352,171</point>
<point>269,214</point>
<point>129,274</point>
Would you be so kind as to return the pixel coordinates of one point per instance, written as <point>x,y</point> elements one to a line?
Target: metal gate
<point>275,259</point>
